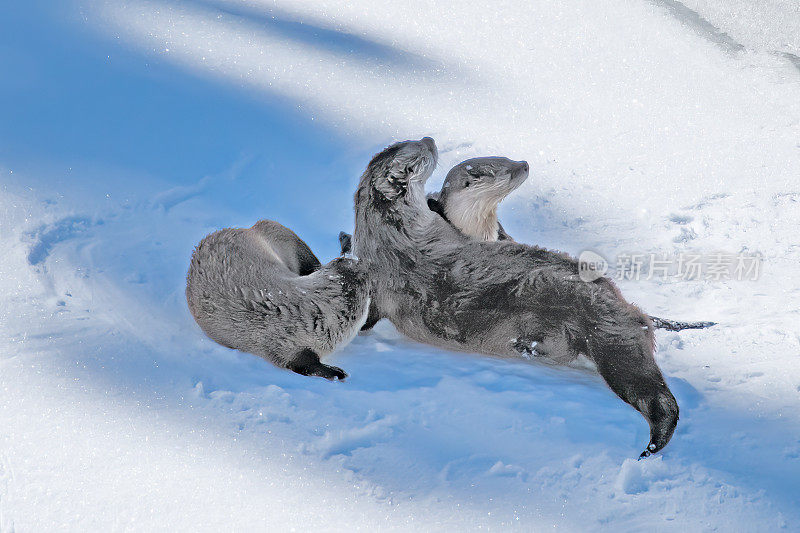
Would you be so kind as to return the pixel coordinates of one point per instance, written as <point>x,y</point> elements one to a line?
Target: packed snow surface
<point>131,128</point>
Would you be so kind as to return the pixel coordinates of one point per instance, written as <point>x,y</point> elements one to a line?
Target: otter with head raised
<point>472,191</point>
<point>438,286</point>
<point>469,198</point>
<point>261,290</point>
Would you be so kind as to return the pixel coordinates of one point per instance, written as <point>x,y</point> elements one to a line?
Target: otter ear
<point>390,186</point>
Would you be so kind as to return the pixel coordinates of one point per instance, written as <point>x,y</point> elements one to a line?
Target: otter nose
<point>430,143</point>
<point>523,165</point>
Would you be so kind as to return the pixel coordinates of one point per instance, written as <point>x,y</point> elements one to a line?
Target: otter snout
<point>521,168</point>
<point>429,162</point>
<point>519,172</point>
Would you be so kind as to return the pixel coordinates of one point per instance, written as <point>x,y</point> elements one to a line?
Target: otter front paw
<point>306,362</point>
<point>329,372</point>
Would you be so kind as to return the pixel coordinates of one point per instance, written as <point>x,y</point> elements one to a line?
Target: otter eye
<point>467,183</point>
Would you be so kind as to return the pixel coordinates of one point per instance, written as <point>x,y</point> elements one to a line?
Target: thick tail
<point>674,325</point>
<point>631,372</point>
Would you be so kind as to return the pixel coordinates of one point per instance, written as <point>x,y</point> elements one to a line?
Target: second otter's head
<point>473,189</point>
<point>401,167</point>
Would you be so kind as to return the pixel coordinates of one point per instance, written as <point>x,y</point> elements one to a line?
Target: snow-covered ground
<point>129,129</point>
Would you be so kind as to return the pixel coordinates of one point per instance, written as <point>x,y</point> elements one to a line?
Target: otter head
<point>473,189</point>
<point>402,168</point>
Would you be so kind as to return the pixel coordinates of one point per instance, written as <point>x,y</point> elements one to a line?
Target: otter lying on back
<point>468,200</point>
<point>440,287</point>
<point>261,290</point>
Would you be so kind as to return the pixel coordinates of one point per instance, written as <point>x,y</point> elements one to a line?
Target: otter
<point>470,195</point>
<point>471,192</point>
<point>469,198</point>
<point>262,290</point>
<point>501,298</point>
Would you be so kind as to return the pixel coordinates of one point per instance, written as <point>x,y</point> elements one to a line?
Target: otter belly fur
<point>500,298</point>
<point>261,290</point>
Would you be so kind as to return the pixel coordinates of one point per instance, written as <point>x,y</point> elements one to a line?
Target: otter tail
<point>674,325</point>
<point>630,370</point>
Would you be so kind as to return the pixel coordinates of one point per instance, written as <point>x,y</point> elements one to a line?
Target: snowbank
<point>135,127</point>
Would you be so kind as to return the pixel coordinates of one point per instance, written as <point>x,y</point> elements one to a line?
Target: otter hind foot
<point>662,415</point>
<point>307,363</point>
<point>631,372</point>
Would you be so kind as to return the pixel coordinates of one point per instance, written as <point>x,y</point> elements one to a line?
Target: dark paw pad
<point>330,372</point>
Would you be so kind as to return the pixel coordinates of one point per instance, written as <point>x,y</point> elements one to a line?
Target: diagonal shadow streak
<point>703,27</point>
<point>336,41</point>
<point>707,30</point>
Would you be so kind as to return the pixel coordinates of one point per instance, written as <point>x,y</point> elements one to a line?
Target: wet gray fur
<point>472,191</point>
<point>469,198</point>
<point>261,290</point>
<point>500,298</point>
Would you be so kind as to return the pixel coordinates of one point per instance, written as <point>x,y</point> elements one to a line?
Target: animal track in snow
<point>706,201</point>
<point>686,235</point>
<point>47,236</point>
<point>346,441</point>
<point>678,218</point>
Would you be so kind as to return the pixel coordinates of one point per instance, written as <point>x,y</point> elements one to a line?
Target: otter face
<point>472,190</point>
<point>403,166</point>
<point>484,179</point>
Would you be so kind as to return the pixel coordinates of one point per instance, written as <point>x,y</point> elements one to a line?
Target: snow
<point>763,25</point>
<point>129,129</point>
